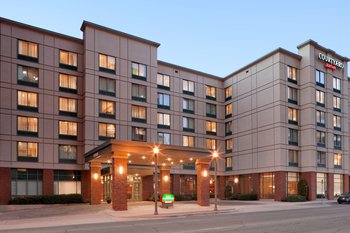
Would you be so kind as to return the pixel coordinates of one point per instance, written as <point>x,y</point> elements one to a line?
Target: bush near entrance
<point>295,198</point>
<point>303,188</point>
<point>244,197</point>
<point>228,192</point>
<point>48,199</point>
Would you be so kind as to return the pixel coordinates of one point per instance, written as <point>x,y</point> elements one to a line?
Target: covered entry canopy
<point>141,153</point>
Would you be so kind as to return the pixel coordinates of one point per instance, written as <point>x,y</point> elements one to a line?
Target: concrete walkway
<point>30,216</point>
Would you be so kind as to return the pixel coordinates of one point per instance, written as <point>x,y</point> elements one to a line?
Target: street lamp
<point>215,155</point>
<point>155,152</point>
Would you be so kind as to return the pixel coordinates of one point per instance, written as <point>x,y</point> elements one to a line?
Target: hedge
<point>48,199</point>
<point>244,197</point>
<point>295,198</point>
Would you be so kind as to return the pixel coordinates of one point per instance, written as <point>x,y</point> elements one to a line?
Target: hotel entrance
<point>134,188</point>
<point>267,185</point>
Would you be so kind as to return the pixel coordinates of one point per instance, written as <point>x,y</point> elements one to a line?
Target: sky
<point>212,36</point>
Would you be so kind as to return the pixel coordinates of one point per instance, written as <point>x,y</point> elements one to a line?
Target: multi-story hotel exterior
<point>65,101</point>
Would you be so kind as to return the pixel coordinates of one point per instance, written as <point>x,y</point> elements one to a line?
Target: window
<point>338,160</point>
<point>139,134</point>
<point>26,182</point>
<point>320,78</point>
<point>163,120</point>
<point>336,85</point>
<point>321,138</point>
<point>107,86</point>
<point>210,92</point>
<point>293,179</point>
<point>228,93</point>
<point>27,126</point>
<point>293,137</point>
<point>228,110</point>
<point>336,122</point>
<point>67,153</point>
<point>292,95</point>
<point>293,158</point>
<point>292,116</point>
<point>106,109</point>
<point>210,127</point>
<point>188,87</point>
<point>321,159</point>
<point>337,141</point>
<point>211,110</point>
<point>228,163</point>
<point>28,51</point>
<point>27,101</point>
<point>106,63</point>
<point>68,129</point>
<point>336,104</point>
<point>188,141</point>
<point>228,128</point>
<point>68,60</point>
<point>163,81</point>
<point>163,138</point>
<point>139,71</point>
<point>292,74</point>
<point>188,105</point>
<point>139,92</point>
<point>67,182</point>
<point>28,76</point>
<point>27,151</point>
<point>139,113</point>
<point>210,143</point>
<point>338,184</point>
<point>163,101</point>
<point>106,131</point>
<point>67,106</point>
<point>228,145</point>
<point>320,98</point>
<point>320,118</point>
<point>188,124</point>
<point>68,83</point>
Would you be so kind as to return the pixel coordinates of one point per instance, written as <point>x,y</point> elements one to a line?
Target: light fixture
<point>168,159</point>
<point>191,159</point>
<point>155,150</point>
<point>109,161</point>
<point>152,163</point>
<point>166,178</point>
<point>236,180</point>
<point>205,173</point>
<point>163,164</point>
<point>172,162</point>
<point>181,161</point>
<point>215,154</point>
<point>129,161</point>
<point>95,176</point>
<point>128,154</point>
<point>121,170</point>
<point>143,157</point>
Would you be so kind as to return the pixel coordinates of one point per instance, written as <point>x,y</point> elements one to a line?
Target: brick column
<point>119,182</point>
<point>221,187</point>
<point>256,184</point>
<point>345,183</point>
<point>147,187</point>
<point>47,182</point>
<point>203,179</point>
<point>176,184</point>
<point>237,182</point>
<point>310,178</point>
<point>85,185</point>
<point>280,186</point>
<point>95,183</point>
<point>330,186</point>
<point>5,181</point>
<point>164,186</point>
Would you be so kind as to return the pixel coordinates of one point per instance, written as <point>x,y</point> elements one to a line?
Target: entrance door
<point>134,188</point>
<point>267,185</point>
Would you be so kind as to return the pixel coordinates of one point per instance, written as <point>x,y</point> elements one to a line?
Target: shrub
<point>296,198</point>
<point>48,199</point>
<point>234,196</point>
<point>248,196</point>
<point>228,192</point>
<point>303,188</point>
<point>185,197</point>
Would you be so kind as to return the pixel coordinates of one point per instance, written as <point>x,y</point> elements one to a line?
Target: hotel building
<point>81,116</point>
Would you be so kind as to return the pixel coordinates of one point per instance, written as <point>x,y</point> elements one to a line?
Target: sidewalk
<point>30,216</point>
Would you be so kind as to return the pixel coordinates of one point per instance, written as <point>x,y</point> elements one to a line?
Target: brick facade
<point>310,178</point>
<point>164,184</point>
<point>330,186</point>
<point>95,183</point>
<point>85,185</point>
<point>256,184</point>
<point>345,183</point>
<point>203,180</point>
<point>221,187</point>
<point>175,184</point>
<point>280,185</point>
<point>120,185</point>
<point>47,182</point>
<point>147,187</point>
<point>5,181</point>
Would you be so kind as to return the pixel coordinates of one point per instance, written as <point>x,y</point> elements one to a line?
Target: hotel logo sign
<point>331,63</point>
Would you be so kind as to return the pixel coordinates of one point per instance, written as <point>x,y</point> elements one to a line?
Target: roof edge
<point>107,29</point>
<point>278,50</point>
<point>317,45</point>
<point>189,69</point>
<point>23,25</point>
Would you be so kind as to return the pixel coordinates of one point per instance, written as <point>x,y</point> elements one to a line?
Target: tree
<point>303,188</point>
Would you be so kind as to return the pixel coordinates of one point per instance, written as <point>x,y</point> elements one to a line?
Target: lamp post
<point>215,156</point>
<point>155,152</point>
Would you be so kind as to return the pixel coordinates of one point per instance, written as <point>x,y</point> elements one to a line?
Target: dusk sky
<point>217,37</point>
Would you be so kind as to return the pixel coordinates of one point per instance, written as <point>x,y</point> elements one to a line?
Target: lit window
<point>320,78</point>
<point>293,158</point>
<point>320,138</point>
<point>27,76</point>
<point>292,74</point>
<point>338,160</point>
<point>336,84</point>
<point>106,130</point>
<point>188,124</point>
<point>292,115</point>
<point>188,105</point>
<point>67,181</point>
<point>138,134</point>
<point>228,110</point>
<point>138,113</point>
<point>68,128</point>
<point>320,118</point>
<point>188,87</point>
<point>67,82</point>
<point>67,105</point>
<point>67,153</point>
<point>188,141</point>
<point>68,59</point>
<point>210,143</point>
<point>228,93</point>
<point>210,127</point>
<point>27,49</point>
<point>139,92</point>
<point>163,80</point>
<point>27,126</point>
<point>336,122</point>
<point>210,92</point>
<point>211,110</point>
<point>228,128</point>
<point>228,163</point>
<point>26,182</point>
<point>228,145</point>
<point>27,150</point>
<point>163,119</point>
<point>106,63</point>
<point>293,179</point>
<point>292,95</point>
<point>107,86</point>
<point>337,141</point>
<point>164,138</point>
<point>336,103</point>
<point>320,98</point>
<point>139,70</point>
<point>27,100</point>
<point>106,108</point>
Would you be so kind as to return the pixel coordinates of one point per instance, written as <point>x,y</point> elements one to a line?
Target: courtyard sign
<point>330,62</point>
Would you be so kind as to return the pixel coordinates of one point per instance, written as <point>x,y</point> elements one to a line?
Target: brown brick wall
<point>85,185</point>
<point>5,181</point>
<point>95,184</point>
<point>175,184</point>
<point>310,178</point>
<point>147,187</point>
<point>203,184</point>
<point>47,181</point>
<point>346,183</point>
<point>221,187</point>
<point>280,185</point>
<point>256,184</point>
<point>330,186</point>
<point>120,185</point>
<point>164,185</point>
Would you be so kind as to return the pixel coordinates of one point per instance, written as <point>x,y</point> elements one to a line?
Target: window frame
<point>27,132</point>
<point>67,89</point>
<point>67,160</point>
<point>208,92</point>
<point>67,112</point>
<point>68,65</point>
<point>320,78</point>
<point>27,158</point>
<point>210,107</point>
<point>106,68</point>
<point>138,88</point>
<point>135,136</point>
<point>68,136</point>
<point>137,116</point>
<point>26,80</point>
<point>138,76</point>
<point>26,107</point>
<point>27,57</point>
<point>105,135</point>
<point>108,81</point>
<point>161,101</point>
<point>186,86</point>
<point>162,85</point>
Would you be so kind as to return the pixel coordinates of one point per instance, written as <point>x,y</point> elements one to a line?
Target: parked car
<point>344,198</point>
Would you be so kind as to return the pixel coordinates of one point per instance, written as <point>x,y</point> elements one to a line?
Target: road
<point>333,218</point>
